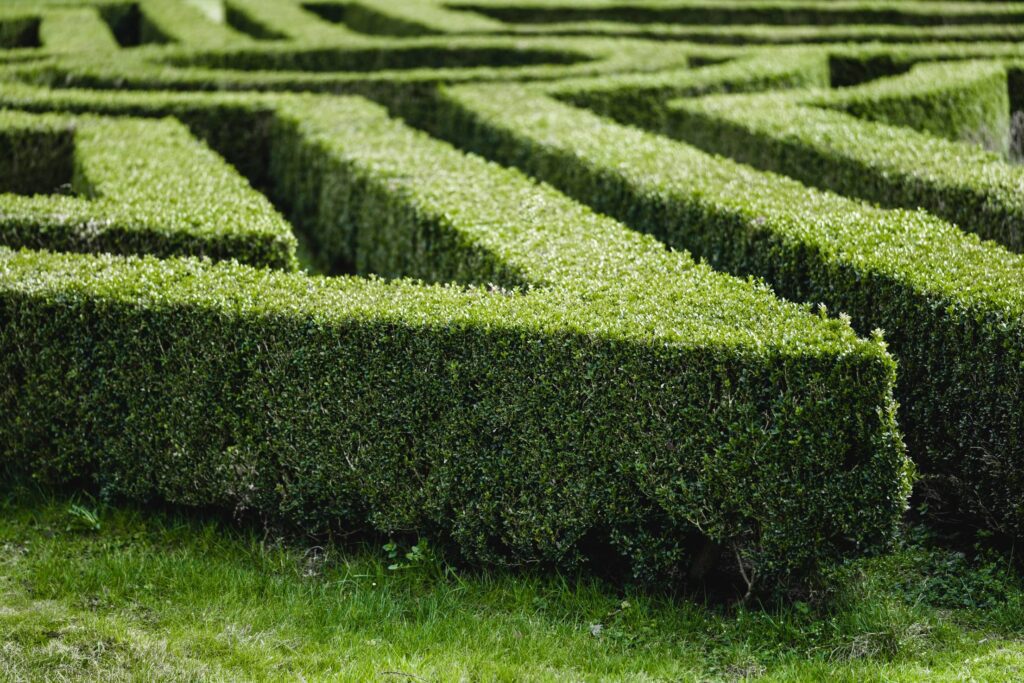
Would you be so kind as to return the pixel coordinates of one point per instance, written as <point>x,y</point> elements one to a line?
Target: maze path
<point>576,386</point>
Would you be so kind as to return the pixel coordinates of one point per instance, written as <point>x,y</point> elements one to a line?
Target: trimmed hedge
<point>410,18</point>
<point>507,423</point>
<point>410,65</point>
<point>951,304</point>
<point>282,20</point>
<point>769,34</point>
<point>180,22</point>
<point>965,101</point>
<point>640,99</point>
<point>76,30</point>
<point>142,187</point>
<point>893,166</point>
<point>745,12</point>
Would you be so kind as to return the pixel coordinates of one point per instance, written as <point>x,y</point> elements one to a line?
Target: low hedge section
<point>506,418</point>
<point>815,12</point>
<point>360,65</point>
<point>965,101</point>
<point>640,99</point>
<point>383,17</point>
<point>951,304</point>
<point>763,34</point>
<point>895,166</point>
<point>130,186</point>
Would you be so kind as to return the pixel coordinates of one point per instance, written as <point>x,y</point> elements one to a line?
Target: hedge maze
<point>674,286</point>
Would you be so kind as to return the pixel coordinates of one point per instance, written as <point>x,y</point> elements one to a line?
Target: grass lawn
<point>128,595</point>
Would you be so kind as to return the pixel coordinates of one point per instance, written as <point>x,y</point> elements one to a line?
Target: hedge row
<point>404,64</point>
<point>951,304</point>
<point>141,187</point>
<point>102,26</point>
<point>768,34</point>
<point>823,12</point>
<point>384,17</point>
<point>506,422</point>
<point>894,166</point>
<point>640,99</point>
<point>966,101</point>
<point>76,30</point>
<point>854,64</point>
<point>175,21</point>
<point>282,20</point>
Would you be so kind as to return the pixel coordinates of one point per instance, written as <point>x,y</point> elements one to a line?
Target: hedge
<point>504,418</point>
<point>282,20</point>
<point>140,187</point>
<point>966,101</point>
<point>180,22</point>
<point>771,35</point>
<point>745,12</point>
<point>76,30</point>
<point>383,17</point>
<point>405,65</point>
<point>951,304</point>
<point>640,99</point>
<point>894,166</point>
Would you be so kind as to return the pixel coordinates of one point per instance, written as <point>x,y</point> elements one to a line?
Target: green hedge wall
<point>407,64</point>
<point>966,101</point>
<point>894,166</point>
<point>640,99</point>
<point>130,186</point>
<point>813,12</point>
<point>951,304</point>
<point>508,423</point>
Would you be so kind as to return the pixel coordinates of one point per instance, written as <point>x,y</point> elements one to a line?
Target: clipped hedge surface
<point>895,166</point>
<point>402,65</point>
<point>139,186</point>
<point>965,101</point>
<point>640,99</point>
<point>507,423</point>
<point>951,305</point>
<point>923,13</point>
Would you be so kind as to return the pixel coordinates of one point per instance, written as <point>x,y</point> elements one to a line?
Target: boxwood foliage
<point>951,304</point>
<point>640,98</point>
<point>785,12</point>
<point>80,29</point>
<point>780,35</point>
<point>173,21</point>
<point>130,186</point>
<point>626,401</point>
<point>383,17</point>
<point>360,65</point>
<point>283,20</point>
<point>966,101</point>
<point>895,166</point>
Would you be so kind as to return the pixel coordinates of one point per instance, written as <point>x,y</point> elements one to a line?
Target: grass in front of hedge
<point>88,592</point>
